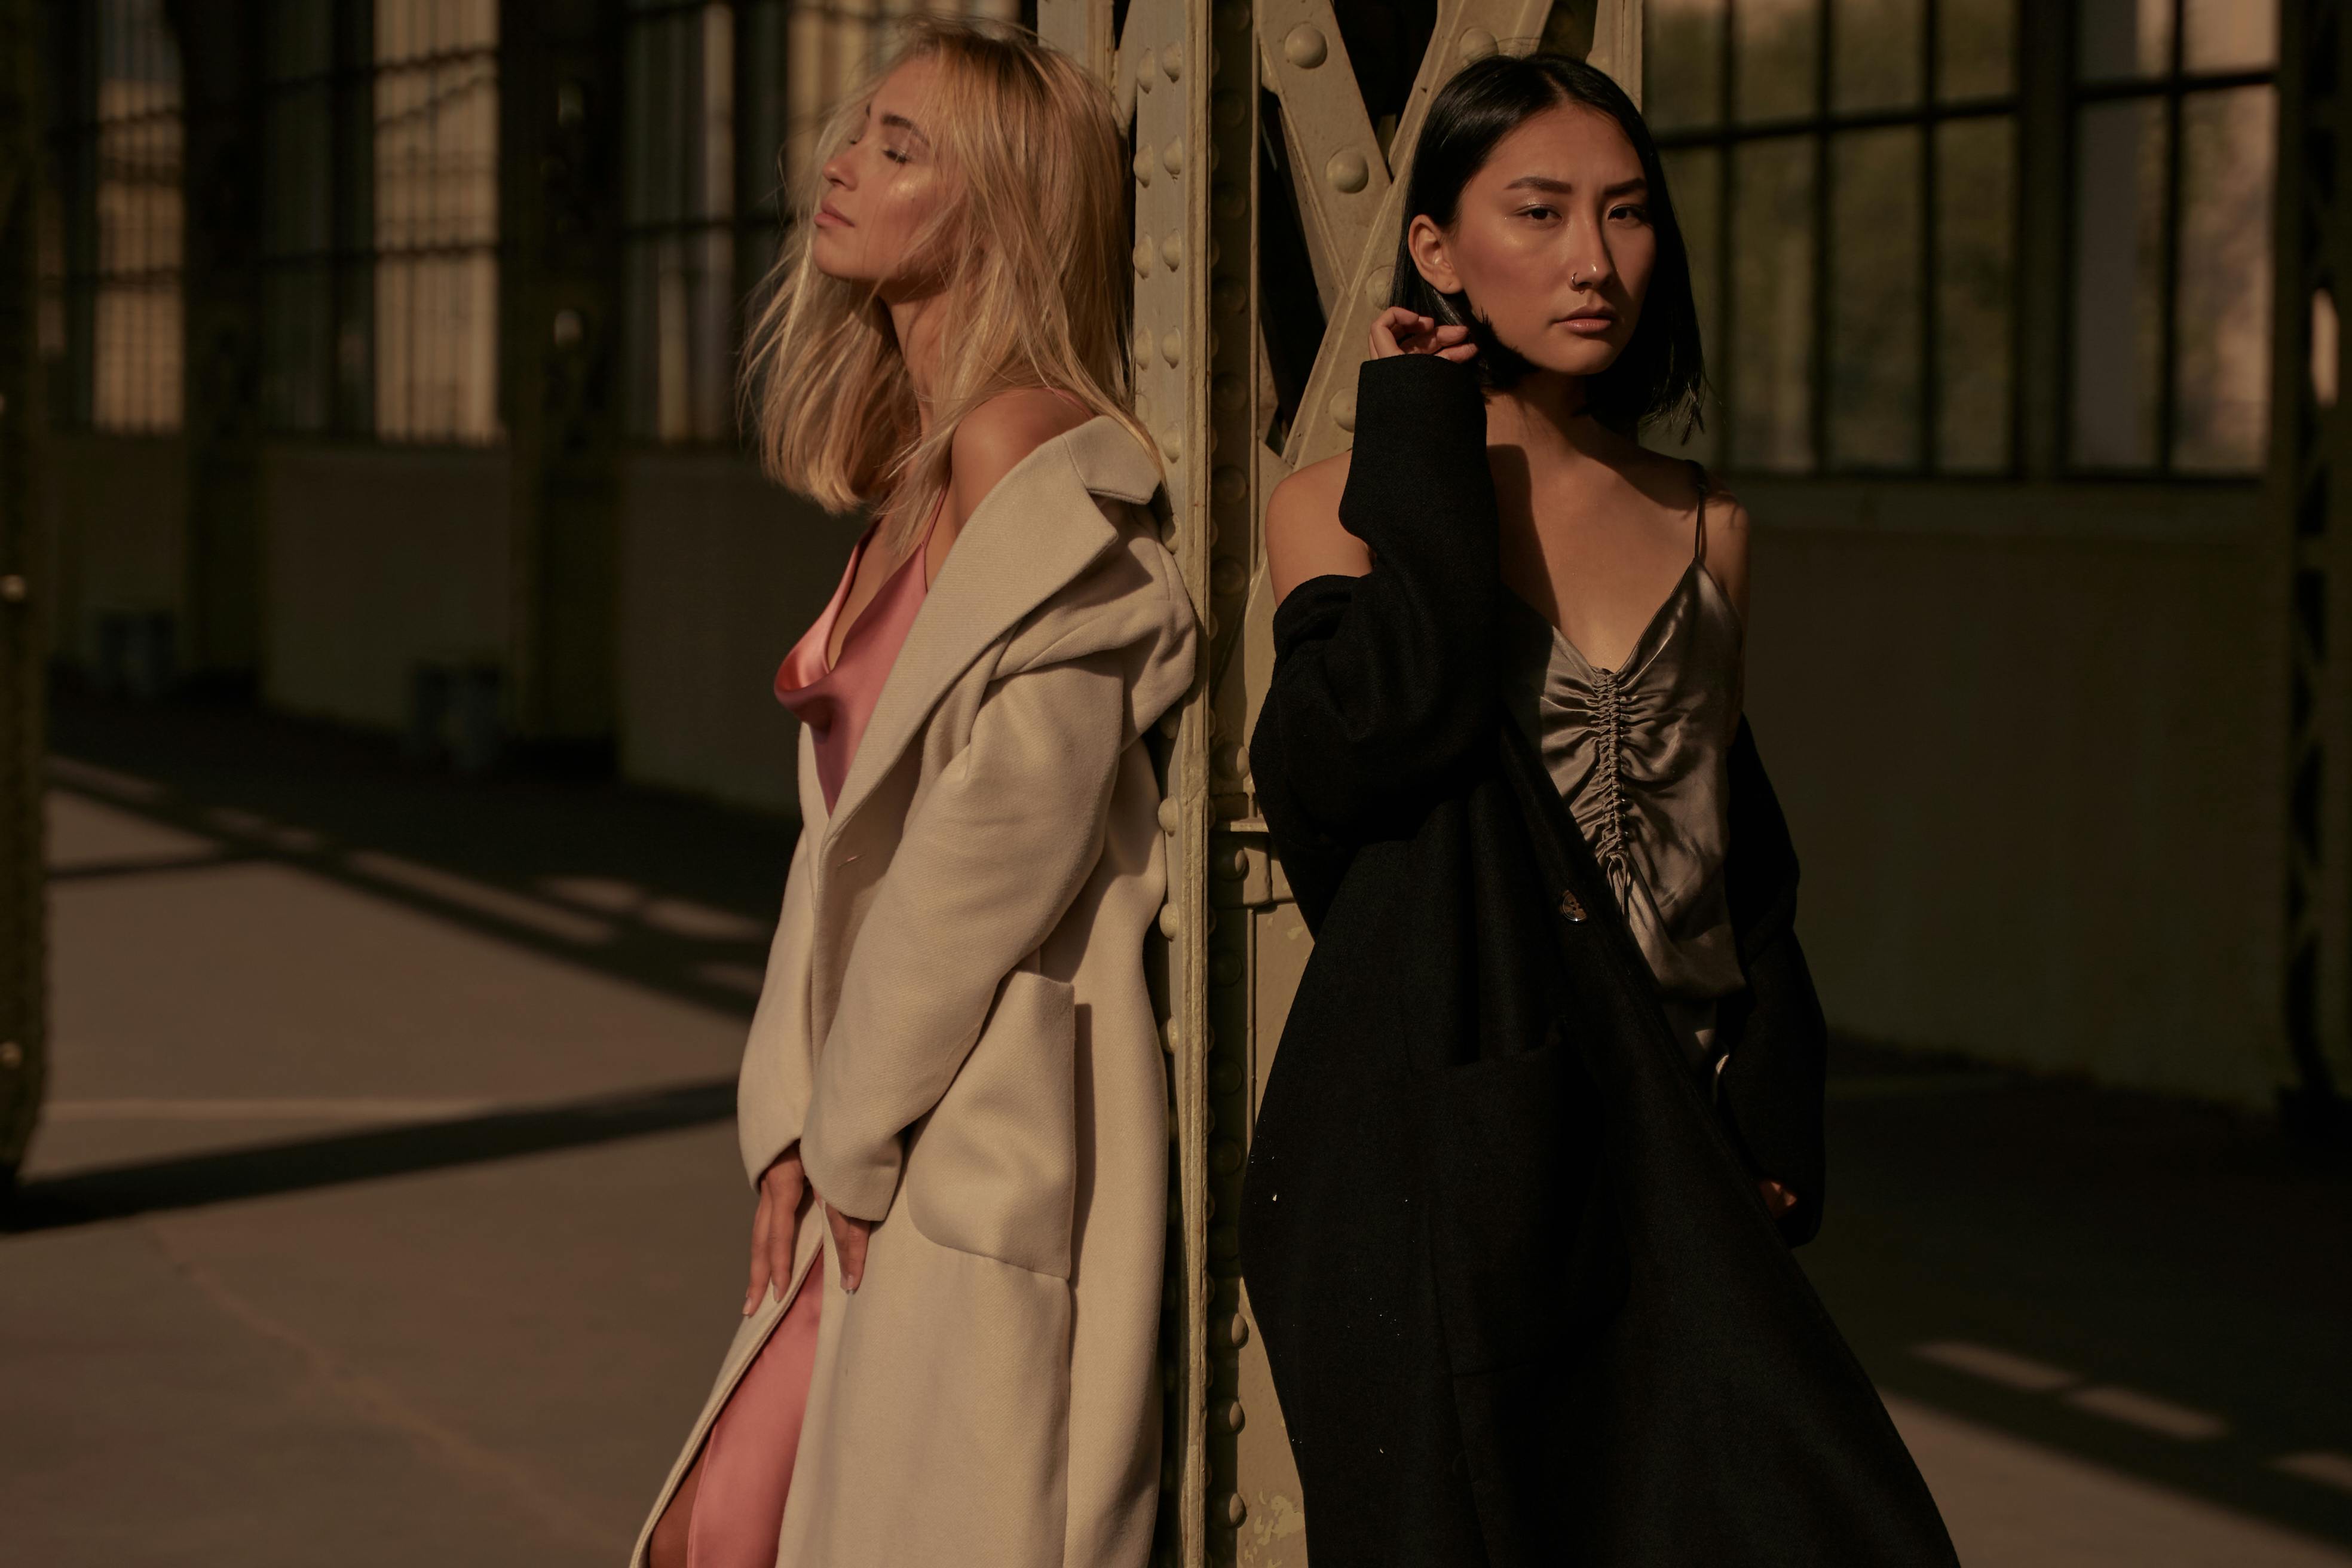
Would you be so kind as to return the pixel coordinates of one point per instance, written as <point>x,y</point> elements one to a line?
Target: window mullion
<point>1824,203</point>
<point>2168,277</point>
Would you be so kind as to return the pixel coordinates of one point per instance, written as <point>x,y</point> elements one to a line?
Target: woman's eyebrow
<point>1563,187</point>
<point>899,122</point>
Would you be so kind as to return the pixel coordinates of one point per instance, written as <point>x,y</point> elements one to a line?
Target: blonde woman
<point>951,1105</point>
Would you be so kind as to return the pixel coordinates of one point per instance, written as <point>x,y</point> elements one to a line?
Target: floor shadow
<point>268,1170</point>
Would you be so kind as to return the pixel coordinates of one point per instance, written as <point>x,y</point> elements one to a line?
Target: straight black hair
<point>1661,375</point>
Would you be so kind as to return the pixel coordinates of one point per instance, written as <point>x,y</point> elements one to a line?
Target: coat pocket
<point>994,1169</point>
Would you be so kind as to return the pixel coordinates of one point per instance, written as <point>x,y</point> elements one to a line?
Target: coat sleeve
<point>1776,1077</point>
<point>1384,684</point>
<point>995,855</point>
<point>772,1089</point>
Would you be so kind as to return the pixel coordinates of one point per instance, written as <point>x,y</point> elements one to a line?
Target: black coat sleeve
<point>1775,1081</point>
<point>1383,686</point>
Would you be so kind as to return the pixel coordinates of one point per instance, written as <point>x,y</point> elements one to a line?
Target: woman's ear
<point>1425,242</point>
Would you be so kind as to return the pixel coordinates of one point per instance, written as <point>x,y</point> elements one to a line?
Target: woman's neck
<point>917,321</point>
<point>1544,413</point>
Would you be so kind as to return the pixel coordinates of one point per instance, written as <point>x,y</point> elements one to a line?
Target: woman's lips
<point>829,216</point>
<point>1593,326</point>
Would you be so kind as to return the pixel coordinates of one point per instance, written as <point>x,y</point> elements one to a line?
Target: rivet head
<point>1172,347</point>
<point>1170,819</point>
<point>1228,483</point>
<point>1347,171</point>
<point>568,329</point>
<point>1306,48</point>
<point>1171,60</point>
<point>1171,157</point>
<point>1142,167</point>
<point>1233,1418</point>
<point>1171,442</point>
<point>1228,576</point>
<point>1142,345</point>
<point>1144,257</point>
<point>1376,285</point>
<point>1171,921</point>
<point>12,1054</point>
<point>1237,1330</point>
<point>1343,410</point>
<point>1236,1510</point>
<point>1147,66</point>
<point>1475,44</point>
<point>1226,1157</point>
<point>1171,250</point>
<point>13,588</point>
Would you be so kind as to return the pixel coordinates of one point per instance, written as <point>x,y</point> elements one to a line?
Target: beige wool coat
<point>955,1028</point>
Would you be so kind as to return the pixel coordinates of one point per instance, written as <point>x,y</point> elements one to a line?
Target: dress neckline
<point>830,660</point>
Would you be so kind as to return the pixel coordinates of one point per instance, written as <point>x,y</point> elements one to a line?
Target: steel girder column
<point>23,579</point>
<point>2311,492</point>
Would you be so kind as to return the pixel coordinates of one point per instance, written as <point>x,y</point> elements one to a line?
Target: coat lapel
<point>1038,529</point>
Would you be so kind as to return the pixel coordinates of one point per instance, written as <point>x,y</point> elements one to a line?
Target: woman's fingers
<point>849,1237</point>
<point>760,1275</point>
<point>1778,1199</point>
<point>783,1235</point>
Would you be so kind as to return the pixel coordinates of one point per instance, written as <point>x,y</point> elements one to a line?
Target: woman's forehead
<point>1570,145</point>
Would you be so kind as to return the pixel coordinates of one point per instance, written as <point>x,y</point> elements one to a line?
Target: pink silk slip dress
<point>748,1459</point>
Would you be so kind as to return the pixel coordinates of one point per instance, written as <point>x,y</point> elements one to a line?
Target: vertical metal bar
<point>2168,284</point>
<point>1825,235</point>
<point>24,584</point>
<point>1931,400</point>
<point>1726,287</point>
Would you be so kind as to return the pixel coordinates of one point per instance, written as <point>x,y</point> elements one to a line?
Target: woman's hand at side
<point>1777,1200</point>
<point>775,1227</point>
<point>1397,331</point>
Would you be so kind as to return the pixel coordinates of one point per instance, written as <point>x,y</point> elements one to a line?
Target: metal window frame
<point>349,81</point>
<point>76,135</point>
<point>2175,86</point>
<point>1823,125</point>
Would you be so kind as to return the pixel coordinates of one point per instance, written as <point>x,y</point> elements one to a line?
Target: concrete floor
<point>387,1209</point>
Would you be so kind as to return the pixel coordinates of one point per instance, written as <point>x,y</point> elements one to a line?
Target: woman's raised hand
<point>775,1227</point>
<point>1398,331</point>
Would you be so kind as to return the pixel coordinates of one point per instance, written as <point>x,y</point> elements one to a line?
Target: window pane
<point>1975,49</point>
<point>1877,60</point>
<point>296,208</point>
<point>2221,384</point>
<point>1779,58</point>
<point>1875,325</point>
<point>1976,204</point>
<point>136,216</point>
<point>1772,334</point>
<point>2126,39</point>
<point>1694,181</point>
<point>2119,261</point>
<point>435,223</point>
<point>2232,35</point>
<point>1683,59</point>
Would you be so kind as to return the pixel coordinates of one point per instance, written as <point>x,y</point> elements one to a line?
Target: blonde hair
<point>1030,254</point>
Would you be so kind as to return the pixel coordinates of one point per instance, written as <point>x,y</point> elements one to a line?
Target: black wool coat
<point>1520,1296</point>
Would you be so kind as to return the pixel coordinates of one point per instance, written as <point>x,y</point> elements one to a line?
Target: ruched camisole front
<point>1639,754</point>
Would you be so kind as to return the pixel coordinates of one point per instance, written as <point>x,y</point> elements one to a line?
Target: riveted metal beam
<point>1342,174</point>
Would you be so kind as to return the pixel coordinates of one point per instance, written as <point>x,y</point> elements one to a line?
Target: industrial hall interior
<point>395,800</point>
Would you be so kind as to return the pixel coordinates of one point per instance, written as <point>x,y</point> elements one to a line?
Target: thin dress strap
<point>1698,541</point>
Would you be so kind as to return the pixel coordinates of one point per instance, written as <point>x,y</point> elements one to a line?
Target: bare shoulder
<point>990,441</point>
<point>1303,536</point>
<point>1727,542</point>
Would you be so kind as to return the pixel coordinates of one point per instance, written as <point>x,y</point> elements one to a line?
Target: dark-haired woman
<point>1546,1116</point>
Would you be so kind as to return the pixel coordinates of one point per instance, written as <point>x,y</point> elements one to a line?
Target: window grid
<point>1828,128</point>
<point>112,259</point>
<point>380,236</point>
<point>2175,88</point>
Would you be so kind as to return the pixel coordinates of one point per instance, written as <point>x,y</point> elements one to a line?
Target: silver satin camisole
<point>1639,754</point>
